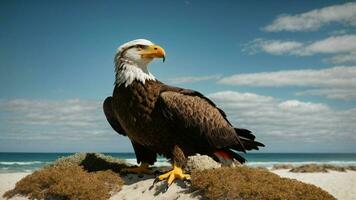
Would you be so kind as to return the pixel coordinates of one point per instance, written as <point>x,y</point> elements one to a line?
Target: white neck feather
<point>127,72</point>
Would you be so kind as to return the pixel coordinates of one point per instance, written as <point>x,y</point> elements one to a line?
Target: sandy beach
<point>340,184</point>
<point>8,181</point>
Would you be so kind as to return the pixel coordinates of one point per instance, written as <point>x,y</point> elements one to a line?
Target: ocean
<point>27,162</point>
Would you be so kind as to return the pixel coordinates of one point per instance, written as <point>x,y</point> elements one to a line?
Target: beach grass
<point>92,162</point>
<point>253,184</point>
<point>81,176</point>
<point>282,166</point>
<point>313,168</point>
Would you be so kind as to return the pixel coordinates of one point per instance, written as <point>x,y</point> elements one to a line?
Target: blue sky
<point>284,70</point>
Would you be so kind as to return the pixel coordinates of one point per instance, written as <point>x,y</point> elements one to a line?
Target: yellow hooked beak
<point>153,51</point>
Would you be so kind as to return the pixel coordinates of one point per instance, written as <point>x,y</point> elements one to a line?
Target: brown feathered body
<point>173,122</point>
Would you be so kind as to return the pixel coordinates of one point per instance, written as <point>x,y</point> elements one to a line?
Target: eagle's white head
<point>132,59</point>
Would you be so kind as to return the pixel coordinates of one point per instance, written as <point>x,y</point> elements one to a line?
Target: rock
<point>201,162</point>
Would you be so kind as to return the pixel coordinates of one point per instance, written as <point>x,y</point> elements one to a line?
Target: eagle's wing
<point>199,115</point>
<point>110,116</point>
<point>142,154</point>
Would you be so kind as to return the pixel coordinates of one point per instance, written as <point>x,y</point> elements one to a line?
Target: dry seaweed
<point>352,168</point>
<point>80,176</point>
<point>67,182</point>
<point>93,162</point>
<point>282,166</point>
<point>253,184</point>
<point>313,168</point>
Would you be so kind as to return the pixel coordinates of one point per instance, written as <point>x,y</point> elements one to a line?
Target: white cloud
<point>342,58</point>
<point>275,120</point>
<point>345,94</point>
<point>329,45</point>
<point>77,123</point>
<point>333,44</point>
<point>339,81</point>
<point>73,112</point>
<point>338,32</point>
<point>193,79</point>
<point>329,77</point>
<point>72,119</point>
<point>298,106</point>
<point>314,19</point>
<point>276,47</point>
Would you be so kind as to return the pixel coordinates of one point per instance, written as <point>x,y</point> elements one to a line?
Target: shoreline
<point>254,164</point>
<point>342,185</point>
<point>26,162</point>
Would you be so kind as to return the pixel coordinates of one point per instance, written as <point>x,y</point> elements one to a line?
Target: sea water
<point>27,162</point>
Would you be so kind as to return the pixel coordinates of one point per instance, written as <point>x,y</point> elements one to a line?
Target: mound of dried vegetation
<point>81,177</point>
<point>93,162</point>
<point>313,168</point>
<point>282,166</point>
<point>253,184</point>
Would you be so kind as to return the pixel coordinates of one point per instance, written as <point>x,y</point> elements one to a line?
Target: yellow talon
<point>142,169</point>
<point>175,173</point>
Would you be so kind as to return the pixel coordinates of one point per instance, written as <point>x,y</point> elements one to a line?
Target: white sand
<point>8,181</point>
<point>141,188</point>
<point>340,184</point>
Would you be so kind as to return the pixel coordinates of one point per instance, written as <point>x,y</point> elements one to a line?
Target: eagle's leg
<point>142,169</point>
<point>177,171</point>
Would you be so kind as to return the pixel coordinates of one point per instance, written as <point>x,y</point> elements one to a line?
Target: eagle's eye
<point>140,47</point>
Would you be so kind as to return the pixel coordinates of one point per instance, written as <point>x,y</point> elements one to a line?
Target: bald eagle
<point>165,120</point>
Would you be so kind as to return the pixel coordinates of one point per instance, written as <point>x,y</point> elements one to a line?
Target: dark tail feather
<point>245,133</point>
<point>241,144</point>
<point>247,139</point>
<point>237,156</point>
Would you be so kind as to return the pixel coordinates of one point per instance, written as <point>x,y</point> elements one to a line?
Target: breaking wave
<point>21,163</point>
